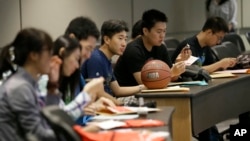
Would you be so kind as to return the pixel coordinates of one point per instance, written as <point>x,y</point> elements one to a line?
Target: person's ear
<point>106,39</point>
<point>209,31</point>
<point>72,35</point>
<point>33,56</point>
<point>61,51</point>
<point>145,30</point>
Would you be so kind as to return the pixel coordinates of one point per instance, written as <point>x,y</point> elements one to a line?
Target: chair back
<point>248,36</point>
<point>236,39</point>
<point>224,50</point>
<point>172,43</point>
<point>61,123</point>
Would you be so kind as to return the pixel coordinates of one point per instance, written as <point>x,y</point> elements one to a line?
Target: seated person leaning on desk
<point>212,33</point>
<point>148,46</point>
<point>20,108</point>
<point>114,36</point>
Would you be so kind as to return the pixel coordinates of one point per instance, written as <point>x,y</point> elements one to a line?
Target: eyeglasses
<point>219,37</point>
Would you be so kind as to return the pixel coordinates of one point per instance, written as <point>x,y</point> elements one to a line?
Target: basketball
<point>155,74</point>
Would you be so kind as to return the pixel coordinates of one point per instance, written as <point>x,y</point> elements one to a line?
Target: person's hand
<point>94,88</point>
<point>55,64</point>
<point>99,105</point>
<point>52,85</point>
<point>178,68</point>
<point>184,54</point>
<point>227,63</point>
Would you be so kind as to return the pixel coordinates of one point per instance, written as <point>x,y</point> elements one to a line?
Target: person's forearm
<point>213,67</point>
<point>128,91</point>
<point>75,107</point>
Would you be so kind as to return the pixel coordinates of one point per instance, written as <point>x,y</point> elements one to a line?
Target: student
<point>114,38</point>
<point>87,33</point>
<point>212,33</point>
<point>66,78</point>
<point>136,32</point>
<point>226,9</point>
<point>148,46</point>
<point>27,57</point>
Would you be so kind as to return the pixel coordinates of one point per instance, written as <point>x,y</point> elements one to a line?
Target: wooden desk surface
<point>204,106</point>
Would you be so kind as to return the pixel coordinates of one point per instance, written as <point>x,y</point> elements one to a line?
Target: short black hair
<point>216,24</point>
<point>82,28</point>
<point>111,27</point>
<point>151,17</point>
<point>136,29</point>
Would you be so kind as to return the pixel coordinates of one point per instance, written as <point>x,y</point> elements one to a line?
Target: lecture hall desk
<point>205,106</point>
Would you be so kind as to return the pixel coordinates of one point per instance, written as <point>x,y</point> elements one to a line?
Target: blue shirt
<point>99,65</point>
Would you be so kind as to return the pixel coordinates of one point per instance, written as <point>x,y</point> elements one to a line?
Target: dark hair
<point>208,2</point>
<point>72,81</point>
<point>111,27</point>
<point>136,29</point>
<point>27,40</point>
<point>151,17</point>
<point>216,24</point>
<point>82,28</point>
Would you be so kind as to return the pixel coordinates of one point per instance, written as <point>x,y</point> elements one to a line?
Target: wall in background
<point>185,17</point>
<point>9,20</point>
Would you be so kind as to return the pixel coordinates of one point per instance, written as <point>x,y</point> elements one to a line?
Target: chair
<point>172,43</point>
<point>236,39</point>
<point>61,123</point>
<point>226,49</point>
<point>248,36</point>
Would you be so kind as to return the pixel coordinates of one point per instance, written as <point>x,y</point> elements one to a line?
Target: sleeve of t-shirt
<point>94,68</point>
<point>76,106</point>
<point>24,103</point>
<point>134,59</point>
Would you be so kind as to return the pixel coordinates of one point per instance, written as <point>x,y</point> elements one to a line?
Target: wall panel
<point>54,15</point>
<point>9,20</point>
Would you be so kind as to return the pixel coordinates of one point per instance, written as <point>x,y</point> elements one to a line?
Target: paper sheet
<point>115,117</point>
<point>222,75</point>
<point>168,89</point>
<point>238,71</point>
<point>199,83</point>
<point>190,60</point>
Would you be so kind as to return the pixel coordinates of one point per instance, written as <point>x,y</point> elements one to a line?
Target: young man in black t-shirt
<point>148,46</point>
<point>212,33</point>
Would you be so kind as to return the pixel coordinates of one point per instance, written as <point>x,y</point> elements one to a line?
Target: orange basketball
<point>155,74</point>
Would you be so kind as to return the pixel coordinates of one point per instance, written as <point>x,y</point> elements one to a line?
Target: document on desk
<point>168,89</point>
<point>115,117</point>
<point>199,83</point>
<point>121,110</point>
<point>222,75</point>
<point>238,71</point>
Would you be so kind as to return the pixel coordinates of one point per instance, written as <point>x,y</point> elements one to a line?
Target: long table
<point>165,115</point>
<point>204,106</point>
